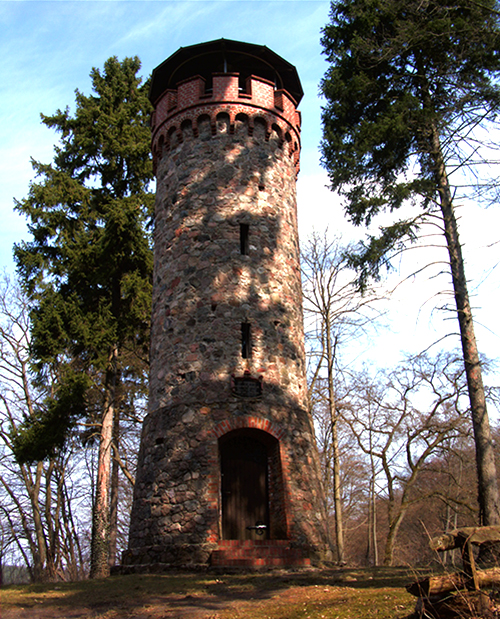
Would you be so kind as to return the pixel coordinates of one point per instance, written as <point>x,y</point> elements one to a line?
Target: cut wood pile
<point>461,594</point>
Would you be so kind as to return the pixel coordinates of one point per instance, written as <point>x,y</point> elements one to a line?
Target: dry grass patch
<point>315,594</point>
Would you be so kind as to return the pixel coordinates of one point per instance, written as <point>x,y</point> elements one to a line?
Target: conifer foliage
<point>88,268</point>
<point>409,86</point>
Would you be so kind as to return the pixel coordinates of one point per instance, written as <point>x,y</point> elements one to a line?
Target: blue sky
<point>48,48</point>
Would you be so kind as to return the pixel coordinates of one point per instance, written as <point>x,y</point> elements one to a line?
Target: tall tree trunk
<point>369,542</point>
<point>99,559</point>
<point>337,498</point>
<point>374,525</point>
<point>372,551</point>
<point>489,505</point>
<point>113,508</point>
<point>38,550</point>
<point>51,524</point>
<point>71,537</point>
<point>390,541</point>
<point>372,548</point>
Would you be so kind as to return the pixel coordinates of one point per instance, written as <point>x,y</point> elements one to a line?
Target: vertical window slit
<point>246,344</point>
<point>244,233</point>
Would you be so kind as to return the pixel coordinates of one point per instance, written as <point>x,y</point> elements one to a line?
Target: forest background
<point>49,51</point>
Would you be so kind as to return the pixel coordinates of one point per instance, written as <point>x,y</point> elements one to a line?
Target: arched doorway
<point>251,486</point>
<point>244,488</point>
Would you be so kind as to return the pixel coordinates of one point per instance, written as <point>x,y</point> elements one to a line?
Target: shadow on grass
<point>189,594</point>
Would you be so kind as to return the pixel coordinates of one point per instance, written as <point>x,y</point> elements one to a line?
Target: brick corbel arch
<point>248,421</point>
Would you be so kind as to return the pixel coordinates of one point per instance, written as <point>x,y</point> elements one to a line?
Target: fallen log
<point>435,585</point>
<point>459,537</point>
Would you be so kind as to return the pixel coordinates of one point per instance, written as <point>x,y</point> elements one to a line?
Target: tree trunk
<point>489,505</point>
<point>113,510</point>
<point>372,549</point>
<point>435,585</point>
<point>38,550</point>
<point>392,535</point>
<point>337,498</point>
<point>372,503</point>
<point>374,526</point>
<point>71,538</point>
<point>52,525</point>
<point>99,559</point>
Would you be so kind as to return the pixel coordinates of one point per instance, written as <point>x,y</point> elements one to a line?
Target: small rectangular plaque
<point>246,386</point>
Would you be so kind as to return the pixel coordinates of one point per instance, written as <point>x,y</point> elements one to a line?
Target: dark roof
<point>225,56</point>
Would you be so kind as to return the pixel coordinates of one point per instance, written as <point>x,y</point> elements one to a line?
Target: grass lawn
<point>310,594</point>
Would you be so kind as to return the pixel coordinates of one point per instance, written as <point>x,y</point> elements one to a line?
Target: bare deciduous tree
<point>400,421</point>
<point>335,313</point>
<point>36,507</point>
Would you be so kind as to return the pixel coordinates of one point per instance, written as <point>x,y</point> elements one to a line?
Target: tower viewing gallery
<point>228,471</point>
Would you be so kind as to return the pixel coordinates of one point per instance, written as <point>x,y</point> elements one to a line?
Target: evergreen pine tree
<point>407,87</point>
<point>88,267</point>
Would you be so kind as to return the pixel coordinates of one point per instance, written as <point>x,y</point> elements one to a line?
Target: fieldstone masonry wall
<point>224,159</point>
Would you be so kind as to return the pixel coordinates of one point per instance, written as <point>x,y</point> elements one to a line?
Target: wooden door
<point>245,501</point>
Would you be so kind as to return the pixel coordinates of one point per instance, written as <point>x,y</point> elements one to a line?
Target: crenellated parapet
<point>259,110</point>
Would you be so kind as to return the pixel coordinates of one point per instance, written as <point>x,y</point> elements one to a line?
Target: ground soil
<point>308,594</point>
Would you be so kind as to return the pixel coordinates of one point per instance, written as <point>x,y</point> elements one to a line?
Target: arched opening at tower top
<point>251,486</point>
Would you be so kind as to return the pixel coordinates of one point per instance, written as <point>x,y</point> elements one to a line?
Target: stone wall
<point>224,169</point>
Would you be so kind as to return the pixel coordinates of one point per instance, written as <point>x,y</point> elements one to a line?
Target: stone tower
<point>228,469</point>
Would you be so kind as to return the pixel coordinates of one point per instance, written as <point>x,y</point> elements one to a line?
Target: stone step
<point>265,553</point>
<point>254,543</point>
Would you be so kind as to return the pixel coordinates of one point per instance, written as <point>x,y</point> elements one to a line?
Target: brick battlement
<point>180,113</point>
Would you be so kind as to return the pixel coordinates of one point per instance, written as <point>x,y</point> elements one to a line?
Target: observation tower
<point>228,471</point>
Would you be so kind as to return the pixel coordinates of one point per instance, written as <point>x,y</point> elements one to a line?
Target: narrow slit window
<point>246,343</point>
<point>244,234</point>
